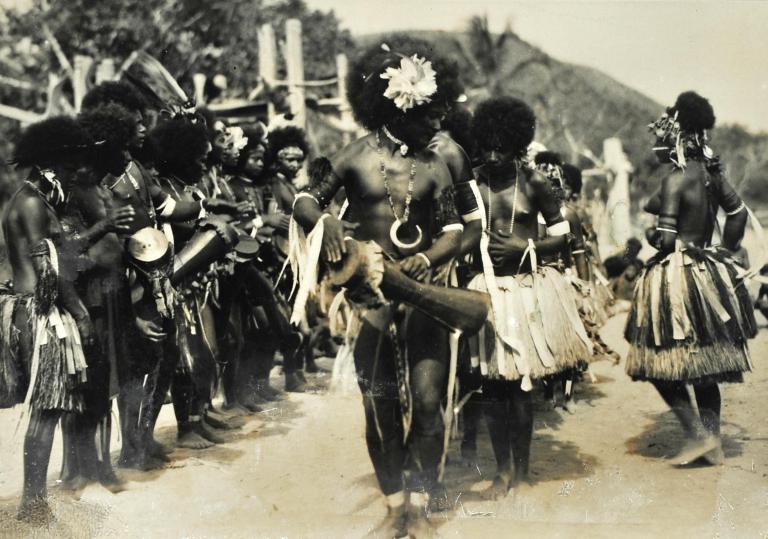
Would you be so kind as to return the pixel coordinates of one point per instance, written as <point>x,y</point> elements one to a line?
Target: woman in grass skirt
<point>535,329</point>
<point>691,314</point>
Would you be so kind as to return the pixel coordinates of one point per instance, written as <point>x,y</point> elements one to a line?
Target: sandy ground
<point>302,470</point>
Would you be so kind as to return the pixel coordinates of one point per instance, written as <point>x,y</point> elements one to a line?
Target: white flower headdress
<point>231,136</point>
<point>411,84</point>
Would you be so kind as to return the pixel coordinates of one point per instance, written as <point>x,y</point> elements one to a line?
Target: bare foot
<point>395,524</point>
<point>498,489</point>
<point>715,457</point>
<point>35,512</point>
<point>694,449</point>
<point>237,410</point>
<point>419,526</point>
<point>110,481</point>
<point>192,440</point>
<point>219,421</point>
<point>75,483</point>
<point>206,432</point>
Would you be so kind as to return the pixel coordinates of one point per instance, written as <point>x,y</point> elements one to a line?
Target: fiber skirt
<point>535,327</point>
<point>690,320</point>
<point>42,350</point>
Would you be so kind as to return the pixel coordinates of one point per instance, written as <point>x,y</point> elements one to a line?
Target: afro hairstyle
<point>111,128</point>
<point>458,123</point>
<point>548,158</point>
<point>572,177</point>
<point>179,144</point>
<point>504,123</point>
<point>365,87</point>
<point>121,93</point>
<point>694,113</point>
<point>283,137</point>
<point>257,136</point>
<point>51,142</point>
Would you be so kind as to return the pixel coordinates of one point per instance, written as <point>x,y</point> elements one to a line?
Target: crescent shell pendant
<point>404,248</point>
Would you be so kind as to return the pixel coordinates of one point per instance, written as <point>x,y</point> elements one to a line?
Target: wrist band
<point>578,251</point>
<point>426,259</point>
<point>665,229</point>
<point>453,226</point>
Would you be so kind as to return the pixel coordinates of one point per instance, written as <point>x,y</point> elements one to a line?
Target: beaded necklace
<point>514,203</point>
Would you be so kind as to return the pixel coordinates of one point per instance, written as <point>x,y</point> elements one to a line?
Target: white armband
<point>166,208</point>
<point>453,226</point>
<point>559,229</point>
<point>737,210</point>
<point>476,215</point>
<point>203,211</point>
<point>304,194</point>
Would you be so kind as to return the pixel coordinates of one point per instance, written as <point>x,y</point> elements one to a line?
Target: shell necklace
<point>403,247</point>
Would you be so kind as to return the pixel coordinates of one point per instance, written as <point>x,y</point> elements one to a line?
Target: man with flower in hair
<point>400,197</point>
<point>45,325</point>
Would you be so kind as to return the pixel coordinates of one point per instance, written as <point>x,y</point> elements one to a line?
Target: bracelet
<point>426,259</point>
<point>665,229</point>
<point>578,251</point>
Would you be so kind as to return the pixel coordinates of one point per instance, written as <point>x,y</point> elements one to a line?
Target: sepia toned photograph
<point>383,269</point>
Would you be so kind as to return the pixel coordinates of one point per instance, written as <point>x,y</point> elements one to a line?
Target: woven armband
<point>466,201</point>
<point>323,182</point>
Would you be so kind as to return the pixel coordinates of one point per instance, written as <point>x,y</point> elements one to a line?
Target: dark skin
<point>27,221</point>
<point>357,170</point>
<point>534,195</point>
<point>460,167</point>
<point>682,203</point>
<point>510,416</point>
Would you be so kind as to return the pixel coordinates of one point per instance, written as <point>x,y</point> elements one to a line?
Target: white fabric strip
<point>559,229</point>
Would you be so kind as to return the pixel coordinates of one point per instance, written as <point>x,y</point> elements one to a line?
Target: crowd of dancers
<point>159,252</point>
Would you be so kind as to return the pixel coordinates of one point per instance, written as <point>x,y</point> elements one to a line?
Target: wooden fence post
<point>294,63</point>
<point>268,62</point>
<point>345,111</point>
<point>82,65</point>
<point>617,206</point>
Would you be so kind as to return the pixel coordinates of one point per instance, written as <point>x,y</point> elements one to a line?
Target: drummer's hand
<point>333,238</point>
<point>246,209</point>
<point>150,329</point>
<point>217,205</point>
<point>415,267</point>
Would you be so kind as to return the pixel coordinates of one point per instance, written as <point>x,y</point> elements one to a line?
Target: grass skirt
<point>539,318</point>
<point>43,349</point>
<point>690,319</point>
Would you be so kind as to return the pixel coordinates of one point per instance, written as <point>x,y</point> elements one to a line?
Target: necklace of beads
<point>411,181</point>
<point>514,203</point>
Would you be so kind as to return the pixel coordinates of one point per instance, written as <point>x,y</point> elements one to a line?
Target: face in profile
<point>418,129</point>
<point>227,149</point>
<point>140,131</point>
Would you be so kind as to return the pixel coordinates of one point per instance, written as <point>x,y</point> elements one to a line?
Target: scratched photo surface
<point>495,349</point>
